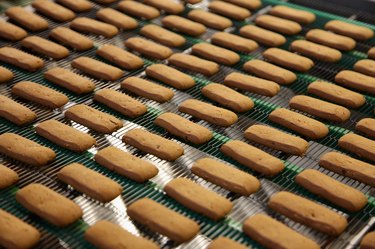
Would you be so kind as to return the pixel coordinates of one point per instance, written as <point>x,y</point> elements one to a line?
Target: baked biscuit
<point>225,176</point>
<point>300,16</point>
<point>20,59</point>
<point>138,9</point>
<point>209,19</point>
<point>89,182</point>
<point>356,81</point>
<point>358,145</point>
<point>39,94</point>
<point>270,72</point>
<point>45,47</point>
<point>170,76</point>
<point>263,36</point>
<point>216,54</point>
<point>15,112</point>
<point>126,164</point>
<point>316,51</point>
<point>27,19</point>
<point>49,205</point>
<point>163,220</point>
<point>299,123</point>
<point>234,42</point>
<point>368,241</point>
<point>5,75</point>
<point>89,25</point>
<point>93,119</point>
<point>53,10</point>
<point>65,136</point>
<point>153,144</point>
<point>183,25</point>
<point>210,113</point>
<point>252,157</point>
<point>148,48</point>
<point>162,35</point>
<point>71,38</point>
<point>8,178</point>
<point>117,19</point>
<point>198,198</point>
<point>354,31</point>
<point>252,84</point>
<point>349,167</point>
<point>77,5</point>
<point>248,4</point>
<point>288,59</point>
<point>276,139</point>
<point>366,67</point>
<point>278,24</point>
<point>147,89</point>
<point>168,6</point>
<point>367,126</point>
<point>229,10</point>
<point>336,94</point>
<point>183,128</point>
<point>334,191</point>
<point>120,102</point>
<point>193,63</point>
<point>120,57</point>
<point>330,39</point>
<point>371,53</point>
<point>97,69</point>
<point>11,32</point>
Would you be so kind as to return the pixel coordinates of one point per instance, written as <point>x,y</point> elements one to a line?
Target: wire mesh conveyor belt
<point>231,226</point>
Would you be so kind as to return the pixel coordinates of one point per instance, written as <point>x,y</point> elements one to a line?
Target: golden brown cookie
<point>193,63</point>
<point>263,36</point>
<point>71,38</point>
<point>356,81</point>
<point>11,32</point>
<point>278,24</point>
<point>15,112</point>
<point>117,19</point>
<point>45,47</point>
<point>354,31</point>
<point>330,39</point>
<point>27,19</point>
<point>366,67</point>
<point>316,51</point>
<point>288,59</point>
<point>209,19</point>
<point>148,48</point>
<point>300,16</point>
<point>367,126</point>
<point>229,10</point>
<point>234,42</point>
<point>89,25</point>
<point>183,25</point>
<point>215,53</point>
<point>162,35</point>
<point>20,59</point>
<point>138,9</point>
<point>358,145</point>
<point>53,10</point>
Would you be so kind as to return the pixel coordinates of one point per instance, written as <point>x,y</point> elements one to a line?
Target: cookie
<point>336,94</point>
<point>319,108</point>
<point>252,84</point>
<point>227,97</point>
<point>53,10</point>
<point>300,16</point>
<point>262,36</point>
<point>330,39</point>
<point>163,220</point>
<point>225,176</point>
<point>71,38</point>
<point>209,19</point>
<point>65,136</point>
<point>170,76</point>
<point>316,51</point>
<point>248,4</point>
<point>366,67</point>
<point>288,59</point>
<point>278,24</point>
<point>210,113</point>
<point>308,213</point>
<point>89,182</point>
<point>148,48</point>
<point>89,25</point>
<point>77,5</point>
<point>183,25</point>
<point>299,123</point>
<point>147,89</point>
<point>15,112</point>
<point>193,1</point>
<point>120,102</point>
<point>69,80</point>
<point>5,75</point>
<point>223,243</point>
<point>276,139</point>
<point>39,94</point>
<point>20,59</point>
<point>349,167</point>
<point>367,126</point>
<point>216,54</point>
<point>153,144</point>
<point>229,10</point>
<point>253,157</point>
<point>168,6</point>
<point>193,63</point>
<point>11,32</point>
<point>271,233</point>
<point>332,190</point>
<point>354,31</point>
<point>97,69</point>
<point>126,164</point>
<point>198,198</point>
<point>25,150</point>
<point>27,19</point>
<point>358,145</point>
<point>45,47</point>
<point>15,233</point>
<point>270,72</point>
<point>162,35</point>
<point>49,205</point>
<point>8,178</point>
<point>368,241</point>
<point>93,119</point>
<point>356,81</point>
<point>104,234</point>
<point>120,57</point>
<point>234,42</point>
<point>371,53</point>
<point>138,9</point>
<point>117,19</point>
<point>183,128</point>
